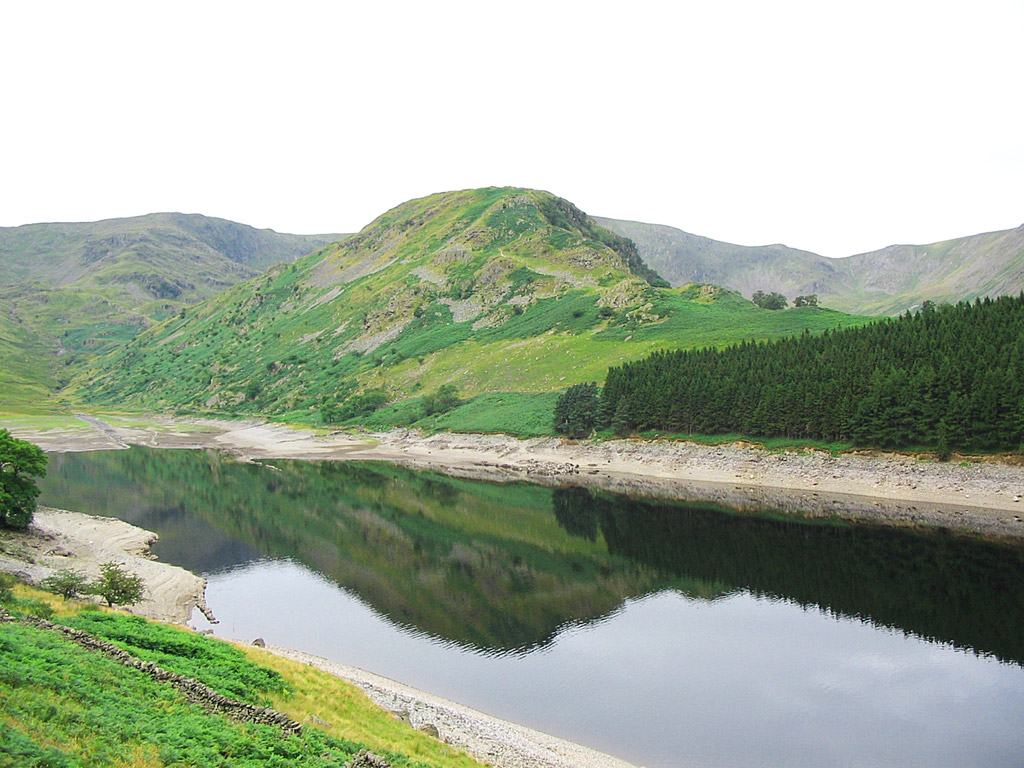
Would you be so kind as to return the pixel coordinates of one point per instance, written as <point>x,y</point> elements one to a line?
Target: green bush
<point>66,583</point>
<point>117,586</point>
<point>21,463</point>
<point>443,400</point>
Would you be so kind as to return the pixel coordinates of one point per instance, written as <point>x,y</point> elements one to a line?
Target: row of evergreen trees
<point>946,377</point>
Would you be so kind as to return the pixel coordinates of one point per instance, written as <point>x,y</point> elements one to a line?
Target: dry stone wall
<point>194,691</point>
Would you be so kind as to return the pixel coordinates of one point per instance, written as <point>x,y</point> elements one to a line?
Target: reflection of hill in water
<point>504,567</point>
<point>482,565</point>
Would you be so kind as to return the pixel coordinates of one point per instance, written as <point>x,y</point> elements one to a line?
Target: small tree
<point>441,401</point>
<point>117,586</point>
<point>21,463</point>
<point>811,300</point>
<point>769,300</point>
<point>66,583</point>
<point>576,410</point>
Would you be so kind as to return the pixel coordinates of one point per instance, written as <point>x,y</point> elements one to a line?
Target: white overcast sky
<point>834,127</point>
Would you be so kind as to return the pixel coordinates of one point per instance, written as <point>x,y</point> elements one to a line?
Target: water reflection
<point>667,634</point>
<point>939,586</point>
<point>502,567</point>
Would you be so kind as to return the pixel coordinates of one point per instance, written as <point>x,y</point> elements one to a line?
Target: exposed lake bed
<point>974,495</point>
<point>639,628</point>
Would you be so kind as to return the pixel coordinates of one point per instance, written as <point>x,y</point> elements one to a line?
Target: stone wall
<point>193,690</point>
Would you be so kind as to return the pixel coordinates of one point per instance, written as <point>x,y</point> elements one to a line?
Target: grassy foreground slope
<point>493,290</point>
<point>62,705</point>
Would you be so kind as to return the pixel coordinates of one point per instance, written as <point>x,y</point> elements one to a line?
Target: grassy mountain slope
<point>497,289</point>
<point>26,378</point>
<point>683,258</point>
<point>889,280</point>
<point>883,282</point>
<point>73,290</point>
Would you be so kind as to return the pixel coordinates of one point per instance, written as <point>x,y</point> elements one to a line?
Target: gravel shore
<point>488,739</point>
<point>971,494</point>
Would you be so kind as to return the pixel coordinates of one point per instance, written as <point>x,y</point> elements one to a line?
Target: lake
<point>667,634</point>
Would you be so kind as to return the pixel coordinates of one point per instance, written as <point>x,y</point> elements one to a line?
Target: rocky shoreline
<point>58,539</point>
<point>978,495</point>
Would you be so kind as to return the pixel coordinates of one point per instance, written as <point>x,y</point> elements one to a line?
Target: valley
<point>366,468</point>
<point>887,281</point>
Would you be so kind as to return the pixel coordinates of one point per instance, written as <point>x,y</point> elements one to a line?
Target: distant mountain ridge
<point>175,248</point>
<point>72,290</point>
<point>883,282</point>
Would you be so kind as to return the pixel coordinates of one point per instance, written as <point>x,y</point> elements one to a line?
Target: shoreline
<point>975,496</point>
<point>888,489</point>
<point>491,740</point>
<point>58,539</point>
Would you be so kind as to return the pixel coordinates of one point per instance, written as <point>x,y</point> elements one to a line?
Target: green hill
<point>26,378</point>
<point>70,291</point>
<point>493,290</point>
<point>883,282</point>
<point>158,256</point>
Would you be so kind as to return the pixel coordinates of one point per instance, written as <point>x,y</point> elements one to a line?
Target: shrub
<point>66,583</point>
<point>117,586</point>
<point>443,400</point>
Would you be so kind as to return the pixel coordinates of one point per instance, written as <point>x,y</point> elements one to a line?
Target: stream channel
<point>667,634</point>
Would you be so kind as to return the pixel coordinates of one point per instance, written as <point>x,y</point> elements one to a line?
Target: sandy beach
<point>966,493</point>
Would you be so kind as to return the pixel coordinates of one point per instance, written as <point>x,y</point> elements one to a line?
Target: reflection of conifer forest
<point>503,567</point>
<point>948,377</point>
<point>937,585</point>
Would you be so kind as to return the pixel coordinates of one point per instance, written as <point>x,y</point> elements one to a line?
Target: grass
<point>348,713</point>
<point>64,706</point>
<point>28,418</point>
<point>512,413</point>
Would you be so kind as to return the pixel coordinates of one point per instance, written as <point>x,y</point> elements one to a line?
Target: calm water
<point>666,634</point>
